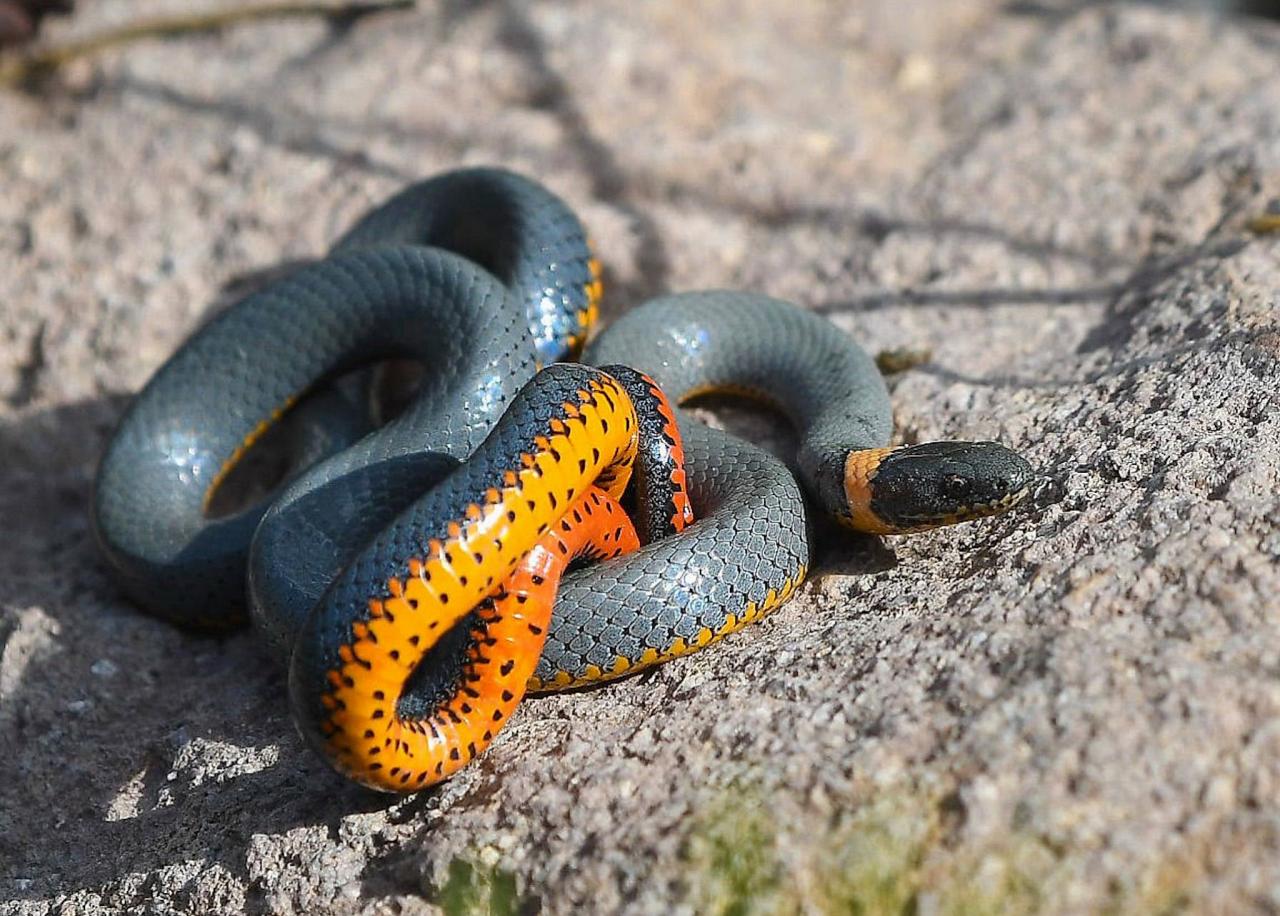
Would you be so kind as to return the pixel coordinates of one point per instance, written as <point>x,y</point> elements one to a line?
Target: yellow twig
<point>1265,223</point>
<point>32,65</point>
<point>891,362</point>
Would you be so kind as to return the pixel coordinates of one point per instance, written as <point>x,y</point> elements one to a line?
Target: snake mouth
<point>908,525</point>
<point>918,487</point>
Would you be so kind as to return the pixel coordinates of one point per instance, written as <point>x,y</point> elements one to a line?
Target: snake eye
<point>955,487</point>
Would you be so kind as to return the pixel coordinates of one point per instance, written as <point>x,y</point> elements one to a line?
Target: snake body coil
<point>418,577</point>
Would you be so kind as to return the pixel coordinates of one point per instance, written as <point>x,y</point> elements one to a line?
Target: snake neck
<point>826,445</point>
<point>744,344</point>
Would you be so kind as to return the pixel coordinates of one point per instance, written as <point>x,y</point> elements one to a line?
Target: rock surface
<point>1070,709</point>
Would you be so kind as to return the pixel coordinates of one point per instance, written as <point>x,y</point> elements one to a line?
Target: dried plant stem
<point>32,65</point>
<point>1264,223</point>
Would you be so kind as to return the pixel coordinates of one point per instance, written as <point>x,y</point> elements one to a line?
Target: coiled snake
<point>419,576</point>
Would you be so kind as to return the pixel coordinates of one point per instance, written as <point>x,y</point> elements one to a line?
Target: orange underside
<point>505,560</point>
<point>511,547</point>
<point>387,751</point>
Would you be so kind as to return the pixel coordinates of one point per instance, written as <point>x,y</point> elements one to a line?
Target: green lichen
<point>901,853</point>
<point>739,864</point>
<point>871,864</point>
<point>472,889</point>
<point>735,859</point>
<point>894,856</point>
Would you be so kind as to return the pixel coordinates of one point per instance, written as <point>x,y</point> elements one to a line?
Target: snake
<point>526,522</point>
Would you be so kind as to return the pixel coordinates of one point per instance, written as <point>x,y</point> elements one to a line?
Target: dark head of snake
<point>917,487</point>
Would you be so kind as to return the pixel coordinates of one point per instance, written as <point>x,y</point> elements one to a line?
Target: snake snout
<point>942,483</point>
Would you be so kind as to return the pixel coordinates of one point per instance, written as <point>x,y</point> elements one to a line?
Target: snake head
<point>916,487</point>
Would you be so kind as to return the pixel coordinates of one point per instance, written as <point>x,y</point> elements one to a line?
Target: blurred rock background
<point>1073,709</point>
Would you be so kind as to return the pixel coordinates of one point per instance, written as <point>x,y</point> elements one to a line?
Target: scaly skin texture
<point>409,577</point>
<point>769,350</point>
<point>743,556</point>
<point>448,551</point>
<point>659,495</point>
<point>517,230</point>
<point>384,293</point>
<point>743,343</point>
<point>194,418</point>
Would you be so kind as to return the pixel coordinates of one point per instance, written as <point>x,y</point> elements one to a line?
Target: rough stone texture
<point>1050,198</point>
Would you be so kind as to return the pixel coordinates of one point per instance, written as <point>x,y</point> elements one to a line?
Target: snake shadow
<point>130,745</point>
<point>145,745</point>
<point>133,745</point>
